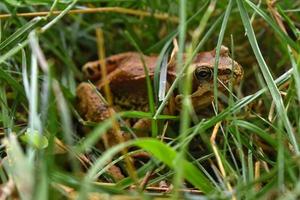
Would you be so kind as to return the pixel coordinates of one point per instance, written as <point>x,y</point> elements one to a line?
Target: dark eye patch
<point>203,73</point>
<point>228,71</point>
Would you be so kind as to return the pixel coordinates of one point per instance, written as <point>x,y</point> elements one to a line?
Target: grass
<point>248,148</point>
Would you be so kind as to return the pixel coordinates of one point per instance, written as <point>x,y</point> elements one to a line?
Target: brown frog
<point>126,78</point>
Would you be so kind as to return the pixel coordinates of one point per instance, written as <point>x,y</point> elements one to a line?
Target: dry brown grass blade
<point>219,161</point>
<point>126,11</point>
<point>116,128</point>
<point>71,193</point>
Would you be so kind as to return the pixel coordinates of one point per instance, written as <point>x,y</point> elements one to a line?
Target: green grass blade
<point>190,172</point>
<point>220,40</point>
<point>13,51</point>
<point>12,82</point>
<point>284,37</point>
<point>184,87</point>
<point>20,32</point>
<point>58,17</point>
<point>100,129</point>
<point>174,34</point>
<point>274,26</point>
<point>147,115</point>
<point>155,147</point>
<point>267,76</point>
<point>24,73</point>
<point>5,110</point>
<point>255,129</point>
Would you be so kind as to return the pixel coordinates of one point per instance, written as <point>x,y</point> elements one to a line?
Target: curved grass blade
<point>75,182</point>
<point>257,130</point>
<point>98,165</point>
<point>160,73</point>
<point>147,115</point>
<point>58,17</point>
<point>20,32</point>
<point>95,134</point>
<point>13,83</point>
<point>155,147</point>
<point>274,26</point>
<point>284,37</point>
<point>93,137</point>
<point>267,76</point>
<point>190,172</point>
<point>13,51</point>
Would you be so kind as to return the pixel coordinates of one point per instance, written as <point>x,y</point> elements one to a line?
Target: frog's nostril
<point>238,72</point>
<point>178,99</point>
<point>90,71</point>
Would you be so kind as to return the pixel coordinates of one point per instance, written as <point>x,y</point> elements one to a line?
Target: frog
<point>127,81</point>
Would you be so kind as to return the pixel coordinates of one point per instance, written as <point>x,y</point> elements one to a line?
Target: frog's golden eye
<point>203,73</point>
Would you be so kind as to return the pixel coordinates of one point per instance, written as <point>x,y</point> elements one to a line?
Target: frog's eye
<point>203,73</point>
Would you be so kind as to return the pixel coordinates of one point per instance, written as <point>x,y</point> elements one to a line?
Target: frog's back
<point>129,76</point>
<point>132,68</point>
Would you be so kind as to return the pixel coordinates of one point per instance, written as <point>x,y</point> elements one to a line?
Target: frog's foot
<point>116,173</point>
<point>142,127</point>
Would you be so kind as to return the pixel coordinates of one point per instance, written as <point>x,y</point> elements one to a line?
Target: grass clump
<point>247,148</point>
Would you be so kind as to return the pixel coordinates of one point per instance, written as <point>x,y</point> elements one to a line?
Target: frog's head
<point>229,71</point>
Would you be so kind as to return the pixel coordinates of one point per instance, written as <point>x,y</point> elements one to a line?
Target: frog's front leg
<point>142,127</point>
<point>93,108</point>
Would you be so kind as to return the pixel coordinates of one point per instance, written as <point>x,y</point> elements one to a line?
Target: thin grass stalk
<point>184,89</point>
<point>127,11</point>
<point>5,116</point>
<point>59,16</point>
<point>203,22</point>
<point>217,58</point>
<point>25,74</point>
<point>52,8</point>
<point>219,160</point>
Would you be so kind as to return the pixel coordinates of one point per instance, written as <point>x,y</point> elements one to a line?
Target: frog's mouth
<point>199,100</point>
<point>202,101</point>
